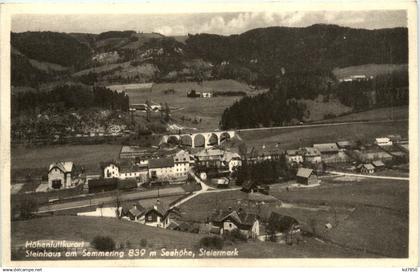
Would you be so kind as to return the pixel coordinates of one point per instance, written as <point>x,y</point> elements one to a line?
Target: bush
<point>143,242</point>
<point>103,243</point>
<point>27,207</point>
<point>234,236</point>
<point>212,242</point>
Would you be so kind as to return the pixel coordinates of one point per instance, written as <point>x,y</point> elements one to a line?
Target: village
<point>136,186</point>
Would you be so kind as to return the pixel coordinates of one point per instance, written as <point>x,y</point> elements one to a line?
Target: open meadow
<point>37,157</point>
<point>370,216</point>
<point>209,110</point>
<point>296,137</point>
<point>134,235</point>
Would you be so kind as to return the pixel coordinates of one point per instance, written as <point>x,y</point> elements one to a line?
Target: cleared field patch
<point>209,110</point>
<point>369,70</point>
<point>307,136</point>
<point>41,157</point>
<point>389,113</point>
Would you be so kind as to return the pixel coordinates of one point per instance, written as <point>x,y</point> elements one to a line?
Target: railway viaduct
<point>199,139</point>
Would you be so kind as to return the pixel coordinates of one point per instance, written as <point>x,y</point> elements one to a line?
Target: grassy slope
<point>367,216</point>
<point>88,155</point>
<point>395,113</point>
<point>298,137</point>
<point>379,222</point>
<point>84,229</point>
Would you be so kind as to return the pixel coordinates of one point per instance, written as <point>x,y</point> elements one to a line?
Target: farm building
<point>206,95</point>
<point>294,156</point>
<point>124,170</point>
<point>102,185</point>
<point>209,158</point>
<point>306,176</point>
<point>378,165</point>
<point>346,145</point>
<point>330,153</point>
<point>156,215</point>
<point>232,160</point>
<point>384,141</point>
<point>367,169</point>
<point>312,155</point>
<point>132,152</point>
<point>62,175</point>
<point>161,169</point>
<point>229,220</point>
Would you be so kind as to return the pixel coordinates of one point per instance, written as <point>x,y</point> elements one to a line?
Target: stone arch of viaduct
<point>200,139</point>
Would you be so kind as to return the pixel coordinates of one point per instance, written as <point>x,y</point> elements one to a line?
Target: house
<point>306,176</point>
<point>312,155</point>
<point>331,153</point>
<point>283,226</point>
<point>294,156</point>
<point>232,160</point>
<point>206,94</point>
<point>367,169</point>
<point>124,170</point>
<point>211,158</point>
<point>247,223</point>
<point>378,164</point>
<point>161,169</point>
<point>182,164</point>
<point>384,141</point>
<point>62,175</point>
<point>157,215</point>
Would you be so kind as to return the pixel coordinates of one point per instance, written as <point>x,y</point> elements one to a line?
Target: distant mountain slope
<point>53,47</point>
<point>316,47</point>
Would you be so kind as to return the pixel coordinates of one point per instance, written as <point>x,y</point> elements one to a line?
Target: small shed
<point>378,164</point>
<point>367,169</point>
<point>306,176</point>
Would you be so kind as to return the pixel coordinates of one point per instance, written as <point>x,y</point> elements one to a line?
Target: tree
<point>167,112</point>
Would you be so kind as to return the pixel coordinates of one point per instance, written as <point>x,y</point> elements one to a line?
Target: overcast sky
<point>217,23</point>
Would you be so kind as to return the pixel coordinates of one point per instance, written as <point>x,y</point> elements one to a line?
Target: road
<point>96,201</point>
<point>204,188</point>
<point>366,176</point>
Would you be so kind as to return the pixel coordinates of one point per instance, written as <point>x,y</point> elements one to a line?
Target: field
<point>41,157</point>
<point>393,113</point>
<point>370,216</point>
<point>286,138</point>
<point>368,70</point>
<point>131,234</point>
<point>209,110</point>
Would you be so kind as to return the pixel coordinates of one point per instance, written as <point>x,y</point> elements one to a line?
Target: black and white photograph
<point>210,133</point>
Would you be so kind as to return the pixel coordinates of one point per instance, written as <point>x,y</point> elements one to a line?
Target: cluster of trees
<point>319,47</point>
<point>66,97</point>
<point>264,110</point>
<point>53,47</point>
<point>383,90</point>
<point>264,172</point>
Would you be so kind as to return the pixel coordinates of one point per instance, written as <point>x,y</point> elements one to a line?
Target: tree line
<point>67,97</point>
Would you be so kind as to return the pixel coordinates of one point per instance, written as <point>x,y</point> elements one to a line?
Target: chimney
<point>230,209</point>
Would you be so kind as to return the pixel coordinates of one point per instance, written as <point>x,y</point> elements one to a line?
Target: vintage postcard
<point>222,134</point>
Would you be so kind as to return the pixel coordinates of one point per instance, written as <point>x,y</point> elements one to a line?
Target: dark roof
<point>161,163</point>
<point>378,163</point>
<point>369,166</point>
<point>249,184</point>
<point>102,182</point>
<point>136,211</point>
<point>328,147</point>
<point>240,217</point>
<point>304,172</point>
